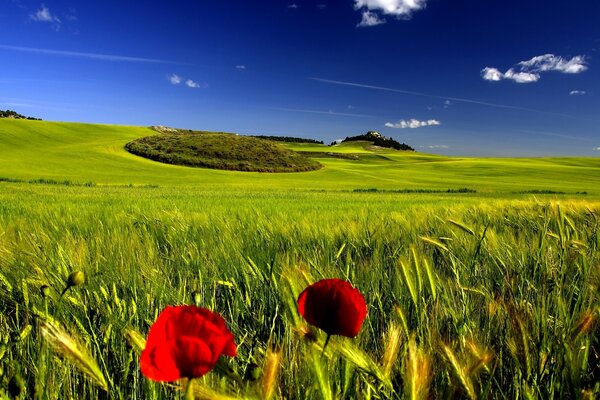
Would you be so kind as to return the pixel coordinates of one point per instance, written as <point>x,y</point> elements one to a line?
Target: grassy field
<point>487,294</point>
<point>95,153</point>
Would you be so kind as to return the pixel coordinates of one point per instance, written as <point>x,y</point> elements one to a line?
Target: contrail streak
<point>433,96</point>
<point>322,112</point>
<point>91,56</point>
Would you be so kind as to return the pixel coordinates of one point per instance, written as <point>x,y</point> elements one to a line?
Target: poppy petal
<point>334,306</point>
<point>157,363</point>
<point>185,341</point>
<point>194,357</point>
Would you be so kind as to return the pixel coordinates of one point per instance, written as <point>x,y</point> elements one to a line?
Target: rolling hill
<point>96,153</point>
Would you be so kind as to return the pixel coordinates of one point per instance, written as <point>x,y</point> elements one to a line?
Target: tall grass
<point>477,299</point>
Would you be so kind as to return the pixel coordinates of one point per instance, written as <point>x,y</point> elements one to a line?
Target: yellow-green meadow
<point>480,275</point>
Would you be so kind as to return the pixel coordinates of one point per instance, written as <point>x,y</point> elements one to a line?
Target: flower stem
<point>189,393</point>
<point>326,342</point>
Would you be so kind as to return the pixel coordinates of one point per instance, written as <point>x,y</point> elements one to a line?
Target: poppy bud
<point>45,290</point>
<point>76,278</point>
<point>197,296</point>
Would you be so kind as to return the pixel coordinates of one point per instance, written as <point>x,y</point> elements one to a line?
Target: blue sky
<point>471,77</point>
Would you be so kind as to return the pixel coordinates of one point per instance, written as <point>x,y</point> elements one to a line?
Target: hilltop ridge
<point>379,140</point>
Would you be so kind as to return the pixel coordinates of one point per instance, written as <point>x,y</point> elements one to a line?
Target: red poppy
<point>334,306</point>
<point>185,342</point>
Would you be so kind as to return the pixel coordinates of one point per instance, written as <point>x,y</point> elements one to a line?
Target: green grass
<point>492,294</point>
<point>96,153</point>
<point>220,151</point>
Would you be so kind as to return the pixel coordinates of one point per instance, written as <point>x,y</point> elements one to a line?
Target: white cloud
<point>550,62</point>
<point>370,19</point>
<point>412,123</point>
<point>294,6</point>
<point>240,66</point>
<point>596,148</point>
<point>44,15</point>
<point>174,79</point>
<point>491,74</point>
<point>577,92</point>
<point>191,84</point>
<point>447,104</point>
<point>521,77</point>
<point>438,146</point>
<point>401,9</point>
<point>529,71</point>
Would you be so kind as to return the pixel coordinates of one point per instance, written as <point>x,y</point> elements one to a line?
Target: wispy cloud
<point>577,92</point>
<point>91,56</point>
<point>43,14</point>
<point>321,6</point>
<point>400,9</point>
<point>240,67</point>
<point>370,19</point>
<point>596,148</point>
<point>550,62</point>
<point>529,71</point>
<point>293,6</point>
<point>438,146</point>
<point>330,112</point>
<point>174,79</point>
<point>553,134</point>
<point>455,99</point>
<point>412,123</point>
<point>191,84</point>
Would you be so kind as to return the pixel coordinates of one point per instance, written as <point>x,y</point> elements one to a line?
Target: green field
<point>95,153</point>
<point>491,293</point>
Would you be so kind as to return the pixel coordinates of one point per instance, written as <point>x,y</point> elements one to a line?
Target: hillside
<point>31,150</point>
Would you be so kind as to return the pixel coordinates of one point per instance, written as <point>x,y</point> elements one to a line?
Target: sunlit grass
<point>501,300</point>
<point>486,294</point>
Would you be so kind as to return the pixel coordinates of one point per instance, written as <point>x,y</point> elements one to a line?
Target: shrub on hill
<point>220,151</point>
<point>379,140</point>
<point>15,115</point>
